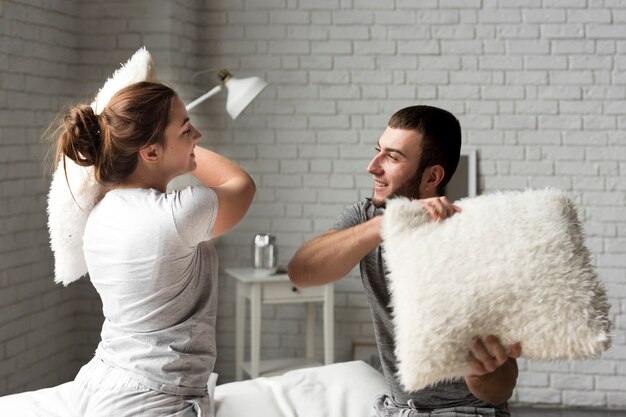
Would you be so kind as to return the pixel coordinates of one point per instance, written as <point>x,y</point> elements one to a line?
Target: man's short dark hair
<point>441,133</point>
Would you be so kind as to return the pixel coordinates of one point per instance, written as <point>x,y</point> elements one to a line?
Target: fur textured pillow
<point>67,217</point>
<point>511,264</point>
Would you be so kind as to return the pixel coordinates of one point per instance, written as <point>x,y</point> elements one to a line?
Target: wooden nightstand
<point>261,289</point>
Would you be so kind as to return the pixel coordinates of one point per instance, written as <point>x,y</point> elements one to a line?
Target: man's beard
<point>409,189</point>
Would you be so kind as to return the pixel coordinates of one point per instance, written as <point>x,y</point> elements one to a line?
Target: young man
<point>416,156</point>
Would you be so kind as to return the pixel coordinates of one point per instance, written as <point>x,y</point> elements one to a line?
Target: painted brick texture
<point>36,317</point>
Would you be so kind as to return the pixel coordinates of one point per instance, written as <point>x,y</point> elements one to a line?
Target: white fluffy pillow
<point>510,264</point>
<point>68,210</point>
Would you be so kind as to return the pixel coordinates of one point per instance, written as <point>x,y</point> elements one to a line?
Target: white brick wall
<point>539,88</point>
<point>37,46</point>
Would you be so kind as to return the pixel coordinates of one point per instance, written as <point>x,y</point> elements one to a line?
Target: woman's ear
<point>150,154</point>
<point>431,178</point>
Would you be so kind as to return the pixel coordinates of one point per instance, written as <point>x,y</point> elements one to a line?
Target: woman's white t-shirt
<point>149,257</point>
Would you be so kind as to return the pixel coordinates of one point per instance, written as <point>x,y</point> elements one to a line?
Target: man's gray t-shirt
<point>442,395</point>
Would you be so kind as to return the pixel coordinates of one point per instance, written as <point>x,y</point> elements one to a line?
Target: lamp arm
<point>204,96</point>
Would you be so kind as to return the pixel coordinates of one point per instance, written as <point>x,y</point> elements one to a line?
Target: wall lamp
<point>241,91</point>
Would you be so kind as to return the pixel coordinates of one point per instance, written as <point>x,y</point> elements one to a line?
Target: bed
<point>344,389</point>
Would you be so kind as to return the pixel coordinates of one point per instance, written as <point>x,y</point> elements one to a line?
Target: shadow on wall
<point>88,321</point>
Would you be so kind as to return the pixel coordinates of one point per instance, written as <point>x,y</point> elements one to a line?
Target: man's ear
<point>431,178</point>
<point>150,154</point>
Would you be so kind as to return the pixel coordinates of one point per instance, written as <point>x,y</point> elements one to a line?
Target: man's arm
<point>333,254</point>
<point>493,375</point>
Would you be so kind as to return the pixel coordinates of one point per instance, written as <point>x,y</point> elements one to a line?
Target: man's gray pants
<point>385,406</point>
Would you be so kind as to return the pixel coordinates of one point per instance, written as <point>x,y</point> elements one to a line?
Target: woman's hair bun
<point>81,138</point>
<point>135,117</point>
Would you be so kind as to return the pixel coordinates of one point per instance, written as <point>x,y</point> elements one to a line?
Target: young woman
<point>149,252</point>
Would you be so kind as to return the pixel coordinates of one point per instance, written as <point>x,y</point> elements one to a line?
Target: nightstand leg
<point>240,337</point>
<point>329,324</point>
<point>310,330</point>
<point>255,331</point>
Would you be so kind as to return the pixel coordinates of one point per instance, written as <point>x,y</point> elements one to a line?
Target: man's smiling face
<point>395,165</point>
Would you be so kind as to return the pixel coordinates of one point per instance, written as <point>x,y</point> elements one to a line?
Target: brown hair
<point>441,132</point>
<point>135,117</point>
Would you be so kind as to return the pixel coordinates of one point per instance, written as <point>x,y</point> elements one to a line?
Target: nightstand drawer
<point>286,292</point>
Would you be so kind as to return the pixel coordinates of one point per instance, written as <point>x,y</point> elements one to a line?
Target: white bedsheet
<point>346,389</point>
<point>47,402</point>
<point>343,389</point>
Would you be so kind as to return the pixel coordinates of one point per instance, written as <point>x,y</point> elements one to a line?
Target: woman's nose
<point>197,135</point>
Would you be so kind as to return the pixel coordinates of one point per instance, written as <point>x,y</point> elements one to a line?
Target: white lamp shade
<point>241,92</point>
